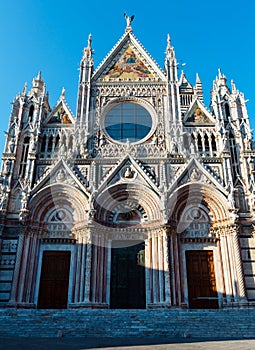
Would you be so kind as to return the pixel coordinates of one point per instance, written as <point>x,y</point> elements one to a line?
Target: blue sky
<point>49,35</point>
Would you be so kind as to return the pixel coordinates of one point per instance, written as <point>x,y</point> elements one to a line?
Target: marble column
<point>24,278</point>
<point>158,285</point>
<point>226,267</point>
<point>239,268</point>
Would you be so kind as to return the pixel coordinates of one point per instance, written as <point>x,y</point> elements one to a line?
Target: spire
<point>87,52</point>
<point>129,20</point>
<point>198,81</point>
<point>222,79</point>
<point>24,91</point>
<point>233,85</point>
<point>89,40</point>
<point>169,49</point>
<point>168,41</point>
<point>38,86</point>
<point>199,89</point>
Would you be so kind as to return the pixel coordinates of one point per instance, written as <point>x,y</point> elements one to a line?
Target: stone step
<point>168,323</point>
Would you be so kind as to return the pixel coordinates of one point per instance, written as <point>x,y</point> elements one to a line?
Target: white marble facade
<point>142,159</point>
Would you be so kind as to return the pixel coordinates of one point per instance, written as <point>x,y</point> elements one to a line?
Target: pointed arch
<point>199,143</point>
<point>214,145</point>
<point>227,110</point>
<point>24,157</point>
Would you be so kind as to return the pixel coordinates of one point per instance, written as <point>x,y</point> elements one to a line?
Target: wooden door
<point>53,292</point>
<point>201,280</point>
<point>127,275</point>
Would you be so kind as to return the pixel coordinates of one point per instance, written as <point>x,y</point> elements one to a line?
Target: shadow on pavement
<point>124,343</point>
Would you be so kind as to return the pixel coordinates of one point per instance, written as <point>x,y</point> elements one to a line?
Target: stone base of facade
<point>19,305</point>
<point>243,304</point>
<point>158,306</point>
<point>88,306</point>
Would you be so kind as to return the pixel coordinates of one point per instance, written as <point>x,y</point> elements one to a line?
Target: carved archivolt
<point>197,195</point>
<point>61,200</point>
<point>117,202</point>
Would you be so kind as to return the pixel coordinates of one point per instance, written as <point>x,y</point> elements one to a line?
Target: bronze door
<point>127,275</point>
<point>53,292</point>
<point>201,279</point>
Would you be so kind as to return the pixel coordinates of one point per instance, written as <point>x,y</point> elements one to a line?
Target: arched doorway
<point>127,275</point>
<point>126,210</point>
<point>54,282</point>
<point>201,279</point>
<point>197,212</point>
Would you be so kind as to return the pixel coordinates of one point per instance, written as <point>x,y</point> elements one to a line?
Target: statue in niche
<point>3,199</point>
<point>7,167</point>
<point>61,175</point>
<point>128,174</point>
<point>11,146</point>
<point>195,175</point>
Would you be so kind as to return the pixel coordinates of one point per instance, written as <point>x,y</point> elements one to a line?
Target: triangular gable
<point>59,173</point>
<point>61,114</point>
<point>128,60</point>
<point>195,172</point>
<point>126,171</point>
<point>184,84</point>
<point>197,114</point>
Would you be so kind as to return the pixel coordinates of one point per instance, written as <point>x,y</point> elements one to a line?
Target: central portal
<point>127,275</point>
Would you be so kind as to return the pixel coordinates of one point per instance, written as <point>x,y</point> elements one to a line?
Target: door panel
<point>201,279</point>
<point>127,275</point>
<point>53,292</point>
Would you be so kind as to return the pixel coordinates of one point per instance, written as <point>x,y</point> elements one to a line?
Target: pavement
<point>125,344</point>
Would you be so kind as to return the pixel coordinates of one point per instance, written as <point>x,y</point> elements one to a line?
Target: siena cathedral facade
<point>143,199</point>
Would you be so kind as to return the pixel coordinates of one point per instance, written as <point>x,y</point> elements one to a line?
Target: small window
<point>31,112</point>
<point>227,110</point>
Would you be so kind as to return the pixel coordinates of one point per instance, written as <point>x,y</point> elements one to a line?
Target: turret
<point>38,86</point>
<point>173,84</point>
<point>22,136</point>
<point>171,62</point>
<point>86,70</point>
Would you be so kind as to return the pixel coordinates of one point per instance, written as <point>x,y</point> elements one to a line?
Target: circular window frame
<point>146,105</point>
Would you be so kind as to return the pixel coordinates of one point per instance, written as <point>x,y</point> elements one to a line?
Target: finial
<point>128,20</point>
<point>169,48</point>
<point>24,91</point>
<point>198,81</point>
<point>63,92</point>
<point>87,52</point>
<point>89,40</point>
<point>233,85</point>
<point>39,76</point>
<point>168,41</point>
